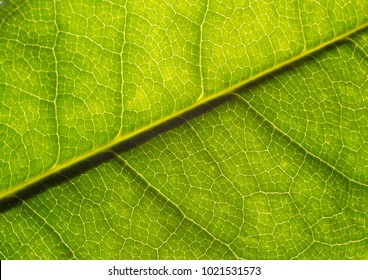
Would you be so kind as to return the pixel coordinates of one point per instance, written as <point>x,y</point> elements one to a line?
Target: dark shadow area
<point>170,125</point>
<point>93,162</point>
<point>54,180</point>
<point>7,9</point>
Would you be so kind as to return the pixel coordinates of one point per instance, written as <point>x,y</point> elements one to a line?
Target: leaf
<point>183,130</point>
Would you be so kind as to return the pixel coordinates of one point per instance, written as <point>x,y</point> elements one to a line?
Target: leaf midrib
<point>122,138</point>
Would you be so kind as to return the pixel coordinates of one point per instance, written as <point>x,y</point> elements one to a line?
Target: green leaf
<point>184,129</point>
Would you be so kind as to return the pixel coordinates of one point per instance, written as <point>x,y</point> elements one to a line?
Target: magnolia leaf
<point>183,129</point>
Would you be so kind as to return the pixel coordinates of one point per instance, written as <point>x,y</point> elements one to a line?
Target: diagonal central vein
<point>122,138</point>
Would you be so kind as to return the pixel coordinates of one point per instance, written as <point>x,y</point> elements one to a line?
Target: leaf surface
<point>183,129</point>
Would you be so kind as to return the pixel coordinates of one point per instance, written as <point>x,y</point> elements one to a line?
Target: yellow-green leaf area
<point>183,129</point>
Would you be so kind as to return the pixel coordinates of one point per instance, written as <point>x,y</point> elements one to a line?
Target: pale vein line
<point>299,145</point>
<point>176,206</point>
<point>122,67</point>
<point>201,51</point>
<point>302,26</point>
<point>3,20</point>
<point>59,167</point>
<point>218,164</point>
<point>56,87</point>
<point>357,45</point>
<point>49,225</point>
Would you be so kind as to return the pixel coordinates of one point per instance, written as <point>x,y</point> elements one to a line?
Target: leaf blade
<point>220,218</point>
